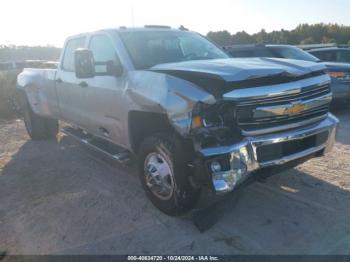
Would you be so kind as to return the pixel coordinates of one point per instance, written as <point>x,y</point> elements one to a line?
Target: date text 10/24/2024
<point>173,258</point>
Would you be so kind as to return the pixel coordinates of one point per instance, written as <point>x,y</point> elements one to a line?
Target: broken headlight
<point>208,120</point>
<point>212,119</point>
<point>207,116</point>
<point>212,125</point>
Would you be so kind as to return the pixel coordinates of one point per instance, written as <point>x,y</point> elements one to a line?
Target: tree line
<point>302,34</point>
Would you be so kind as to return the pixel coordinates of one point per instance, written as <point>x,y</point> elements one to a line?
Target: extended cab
<point>197,120</point>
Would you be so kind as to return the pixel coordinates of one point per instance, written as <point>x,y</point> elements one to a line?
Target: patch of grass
<point>8,96</point>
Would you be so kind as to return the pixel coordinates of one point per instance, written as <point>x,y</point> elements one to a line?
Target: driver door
<point>103,105</point>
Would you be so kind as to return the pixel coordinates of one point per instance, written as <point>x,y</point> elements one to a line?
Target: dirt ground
<point>59,198</point>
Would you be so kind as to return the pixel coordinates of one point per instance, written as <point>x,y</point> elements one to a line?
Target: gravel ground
<point>59,198</point>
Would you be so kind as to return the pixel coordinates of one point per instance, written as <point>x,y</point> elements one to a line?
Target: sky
<point>49,22</point>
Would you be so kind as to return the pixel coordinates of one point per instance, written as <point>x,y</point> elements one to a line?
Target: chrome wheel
<point>159,176</point>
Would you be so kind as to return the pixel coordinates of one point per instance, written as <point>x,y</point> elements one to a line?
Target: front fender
<point>32,85</point>
<point>162,93</point>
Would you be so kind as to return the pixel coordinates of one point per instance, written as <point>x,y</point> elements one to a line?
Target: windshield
<point>291,52</point>
<point>149,48</point>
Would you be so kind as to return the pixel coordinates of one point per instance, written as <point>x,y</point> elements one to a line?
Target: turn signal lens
<point>196,121</point>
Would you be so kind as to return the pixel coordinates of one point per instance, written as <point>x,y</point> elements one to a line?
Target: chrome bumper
<point>243,157</point>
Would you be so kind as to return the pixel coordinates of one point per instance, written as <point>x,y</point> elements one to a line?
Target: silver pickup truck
<point>197,121</point>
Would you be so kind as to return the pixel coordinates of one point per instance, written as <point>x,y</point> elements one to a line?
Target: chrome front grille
<point>304,94</point>
<point>295,104</point>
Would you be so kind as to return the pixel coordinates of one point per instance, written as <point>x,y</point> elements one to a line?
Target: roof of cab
<point>145,28</point>
<point>130,29</point>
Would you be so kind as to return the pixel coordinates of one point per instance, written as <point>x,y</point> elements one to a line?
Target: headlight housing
<point>207,120</point>
<point>215,124</point>
<point>208,116</point>
<point>212,119</point>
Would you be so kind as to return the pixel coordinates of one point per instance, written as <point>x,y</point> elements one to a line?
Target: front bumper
<point>249,155</point>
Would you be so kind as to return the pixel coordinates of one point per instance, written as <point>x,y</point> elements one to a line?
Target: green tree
<point>307,41</point>
<point>220,37</point>
<point>18,53</point>
<point>262,37</point>
<point>242,38</point>
<point>302,34</point>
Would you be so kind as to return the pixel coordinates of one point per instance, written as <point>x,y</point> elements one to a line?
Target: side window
<point>105,56</point>
<point>68,58</point>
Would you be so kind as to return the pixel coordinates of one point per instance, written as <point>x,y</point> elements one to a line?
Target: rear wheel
<point>162,170</point>
<point>39,128</point>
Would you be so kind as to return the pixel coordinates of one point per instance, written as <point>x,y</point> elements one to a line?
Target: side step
<point>113,151</point>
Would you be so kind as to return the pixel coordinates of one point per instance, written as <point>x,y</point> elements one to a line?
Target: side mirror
<point>84,63</point>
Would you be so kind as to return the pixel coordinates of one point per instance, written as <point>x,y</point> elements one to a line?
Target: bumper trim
<point>247,150</point>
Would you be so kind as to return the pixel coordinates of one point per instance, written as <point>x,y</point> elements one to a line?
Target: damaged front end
<point>267,119</point>
<point>259,127</point>
<point>213,127</point>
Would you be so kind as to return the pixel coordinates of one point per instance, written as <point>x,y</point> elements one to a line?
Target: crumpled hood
<point>239,69</point>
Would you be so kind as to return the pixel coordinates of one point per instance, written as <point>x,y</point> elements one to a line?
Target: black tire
<point>39,128</point>
<point>184,196</point>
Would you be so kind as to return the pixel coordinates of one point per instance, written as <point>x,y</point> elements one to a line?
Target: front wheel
<point>39,128</point>
<point>163,174</point>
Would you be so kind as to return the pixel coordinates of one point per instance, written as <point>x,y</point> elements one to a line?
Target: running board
<point>107,148</point>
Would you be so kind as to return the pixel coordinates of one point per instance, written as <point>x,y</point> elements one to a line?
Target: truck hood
<point>240,69</point>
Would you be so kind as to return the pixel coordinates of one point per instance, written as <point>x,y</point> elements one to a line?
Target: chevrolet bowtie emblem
<point>294,108</point>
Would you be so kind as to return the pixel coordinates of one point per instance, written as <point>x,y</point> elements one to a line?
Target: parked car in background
<point>329,52</point>
<point>337,57</point>
<point>339,72</point>
<point>278,51</point>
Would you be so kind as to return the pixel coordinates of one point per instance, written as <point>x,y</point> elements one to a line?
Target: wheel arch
<point>143,124</point>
